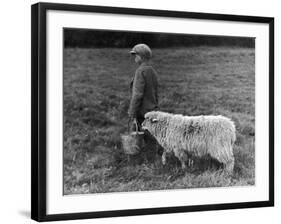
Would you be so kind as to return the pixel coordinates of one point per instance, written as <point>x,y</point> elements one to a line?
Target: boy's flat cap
<point>143,50</point>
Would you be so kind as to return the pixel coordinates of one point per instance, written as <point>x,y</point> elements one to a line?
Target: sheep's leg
<point>223,153</point>
<point>190,162</point>
<point>229,166</point>
<point>228,162</point>
<point>183,166</point>
<point>182,158</point>
<point>164,157</point>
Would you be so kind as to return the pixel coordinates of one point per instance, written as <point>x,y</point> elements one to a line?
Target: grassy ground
<point>193,81</point>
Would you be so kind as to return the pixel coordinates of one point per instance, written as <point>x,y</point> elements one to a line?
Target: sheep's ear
<point>154,120</point>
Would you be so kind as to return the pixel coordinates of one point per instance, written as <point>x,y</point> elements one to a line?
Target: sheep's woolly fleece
<point>193,136</point>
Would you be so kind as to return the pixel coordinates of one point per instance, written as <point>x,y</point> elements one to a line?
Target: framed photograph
<point>139,111</point>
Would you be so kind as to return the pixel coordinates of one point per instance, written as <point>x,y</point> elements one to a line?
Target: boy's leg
<point>139,122</point>
<point>140,119</point>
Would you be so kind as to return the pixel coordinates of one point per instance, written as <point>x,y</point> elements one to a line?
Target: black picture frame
<point>39,106</point>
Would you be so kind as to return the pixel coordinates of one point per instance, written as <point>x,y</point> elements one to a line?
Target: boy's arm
<point>137,94</point>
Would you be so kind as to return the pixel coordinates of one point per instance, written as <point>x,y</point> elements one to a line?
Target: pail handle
<point>137,131</point>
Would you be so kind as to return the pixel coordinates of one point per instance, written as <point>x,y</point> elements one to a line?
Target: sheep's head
<point>154,122</point>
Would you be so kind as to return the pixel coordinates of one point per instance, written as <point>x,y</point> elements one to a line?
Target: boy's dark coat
<point>144,88</point>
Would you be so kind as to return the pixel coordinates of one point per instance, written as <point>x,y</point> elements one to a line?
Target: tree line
<point>86,38</point>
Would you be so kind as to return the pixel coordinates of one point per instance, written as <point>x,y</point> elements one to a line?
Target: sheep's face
<point>154,122</point>
<point>150,124</point>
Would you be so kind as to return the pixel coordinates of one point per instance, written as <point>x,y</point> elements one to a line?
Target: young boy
<point>144,85</point>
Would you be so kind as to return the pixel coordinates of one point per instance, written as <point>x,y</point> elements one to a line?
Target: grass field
<point>193,81</point>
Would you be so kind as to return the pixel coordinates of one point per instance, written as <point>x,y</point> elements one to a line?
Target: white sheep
<point>193,135</point>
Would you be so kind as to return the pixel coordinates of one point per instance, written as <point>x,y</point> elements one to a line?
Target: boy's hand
<point>135,120</point>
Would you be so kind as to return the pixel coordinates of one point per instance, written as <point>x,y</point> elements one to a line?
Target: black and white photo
<point>191,97</point>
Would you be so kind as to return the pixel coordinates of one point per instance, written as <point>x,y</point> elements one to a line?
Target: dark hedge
<point>103,38</point>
